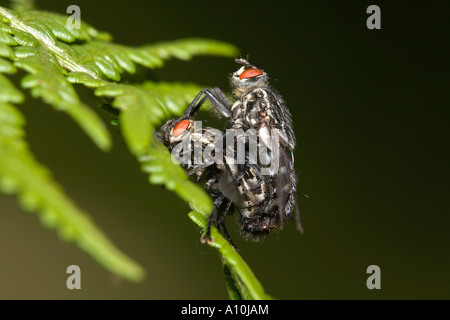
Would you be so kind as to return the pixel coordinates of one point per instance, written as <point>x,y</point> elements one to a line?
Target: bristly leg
<point>218,101</point>
<point>222,227</point>
<point>212,220</point>
<point>217,218</point>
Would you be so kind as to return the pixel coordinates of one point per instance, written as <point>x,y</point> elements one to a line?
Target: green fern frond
<point>46,79</point>
<point>47,82</point>
<point>56,57</point>
<point>157,162</point>
<point>6,66</point>
<point>21,174</point>
<point>22,5</point>
<point>43,48</point>
<point>184,49</point>
<point>173,97</point>
<point>145,106</point>
<point>142,106</point>
<point>6,51</point>
<point>104,58</point>
<point>95,56</point>
<point>9,93</point>
<point>110,59</point>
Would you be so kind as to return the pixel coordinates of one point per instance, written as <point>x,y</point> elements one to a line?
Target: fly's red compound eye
<point>250,73</point>
<point>180,127</point>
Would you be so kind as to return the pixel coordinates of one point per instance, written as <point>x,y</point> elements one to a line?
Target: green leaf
<point>109,59</point>
<point>7,39</point>
<point>85,79</point>
<point>6,66</point>
<point>136,127</point>
<point>6,51</point>
<point>145,106</point>
<point>21,174</point>
<point>185,49</point>
<point>47,82</point>
<point>173,97</point>
<point>43,49</point>
<point>105,58</point>
<point>8,93</point>
<point>158,163</point>
<point>22,5</point>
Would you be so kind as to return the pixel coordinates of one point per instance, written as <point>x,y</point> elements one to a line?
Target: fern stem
<point>232,289</point>
<point>233,260</point>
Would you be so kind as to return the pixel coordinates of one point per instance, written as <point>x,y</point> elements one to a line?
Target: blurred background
<point>371,113</point>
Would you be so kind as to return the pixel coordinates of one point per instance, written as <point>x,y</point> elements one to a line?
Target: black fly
<point>263,185</point>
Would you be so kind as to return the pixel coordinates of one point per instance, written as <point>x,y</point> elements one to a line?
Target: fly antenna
<point>242,61</point>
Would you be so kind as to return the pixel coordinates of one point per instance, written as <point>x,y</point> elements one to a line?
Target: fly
<point>263,185</point>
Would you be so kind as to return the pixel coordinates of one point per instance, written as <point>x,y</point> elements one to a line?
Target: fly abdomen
<point>253,194</point>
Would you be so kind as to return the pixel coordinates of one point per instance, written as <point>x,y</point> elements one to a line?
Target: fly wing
<point>283,183</point>
<point>298,218</point>
<point>228,187</point>
<point>282,120</point>
<point>285,178</point>
<point>283,144</point>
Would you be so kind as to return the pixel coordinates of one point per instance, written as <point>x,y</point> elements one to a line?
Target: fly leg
<point>221,225</point>
<point>217,98</point>
<point>199,168</point>
<point>221,209</point>
<point>212,220</point>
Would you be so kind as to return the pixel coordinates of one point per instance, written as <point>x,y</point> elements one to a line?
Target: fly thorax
<point>237,110</point>
<point>255,108</point>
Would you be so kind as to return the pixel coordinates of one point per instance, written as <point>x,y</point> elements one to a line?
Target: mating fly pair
<point>262,185</point>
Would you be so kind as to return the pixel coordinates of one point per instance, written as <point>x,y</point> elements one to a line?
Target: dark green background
<point>371,114</point>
